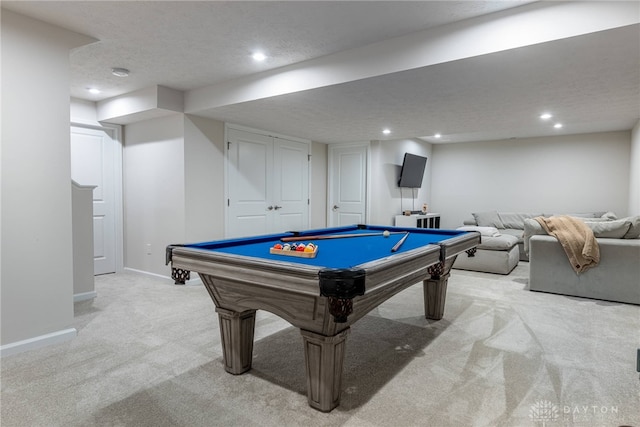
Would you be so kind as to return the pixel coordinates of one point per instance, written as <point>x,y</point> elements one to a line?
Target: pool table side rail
<point>458,244</point>
<point>303,277</point>
<point>298,277</point>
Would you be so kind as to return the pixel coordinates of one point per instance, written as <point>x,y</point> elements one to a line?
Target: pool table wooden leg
<point>324,358</point>
<point>435,294</point>
<point>236,333</point>
<point>435,289</point>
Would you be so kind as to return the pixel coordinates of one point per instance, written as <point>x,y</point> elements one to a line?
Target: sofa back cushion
<point>623,228</point>
<point>609,229</point>
<point>634,227</point>
<point>515,219</point>
<point>470,221</point>
<point>488,219</point>
<point>531,228</point>
<point>582,215</point>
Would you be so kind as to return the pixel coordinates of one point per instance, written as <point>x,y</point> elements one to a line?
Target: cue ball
<point>386,233</point>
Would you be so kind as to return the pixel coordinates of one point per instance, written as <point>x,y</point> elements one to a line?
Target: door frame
<point>115,131</point>
<point>331,177</point>
<point>227,127</point>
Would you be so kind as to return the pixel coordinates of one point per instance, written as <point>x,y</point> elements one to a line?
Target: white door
<point>347,184</point>
<point>249,202</point>
<point>291,185</point>
<point>93,163</point>
<point>268,184</point>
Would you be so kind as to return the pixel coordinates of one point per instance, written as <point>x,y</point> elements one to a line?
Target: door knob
<point>276,207</point>
<point>270,208</point>
<point>336,207</point>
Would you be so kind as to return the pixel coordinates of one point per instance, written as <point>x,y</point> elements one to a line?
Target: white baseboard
<point>196,281</point>
<point>38,342</point>
<point>83,296</point>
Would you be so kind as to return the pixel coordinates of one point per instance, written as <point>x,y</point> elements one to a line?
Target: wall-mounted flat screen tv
<point>412,171</point>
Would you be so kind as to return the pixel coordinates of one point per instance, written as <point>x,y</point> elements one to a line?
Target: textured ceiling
<point>185,44</point>
<point>506,90</point>
<point>591,82</point>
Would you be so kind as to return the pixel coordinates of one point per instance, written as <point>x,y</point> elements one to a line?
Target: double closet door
<point>267,184</point>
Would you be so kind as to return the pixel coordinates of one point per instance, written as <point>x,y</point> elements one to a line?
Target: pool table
<point>352,271</point>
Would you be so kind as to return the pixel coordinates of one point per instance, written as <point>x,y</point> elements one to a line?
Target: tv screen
<point>412,171</point>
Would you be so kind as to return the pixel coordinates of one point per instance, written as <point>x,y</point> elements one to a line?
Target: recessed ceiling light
<point>259,56</point>
<point>558,125</point>
<point>93,90</point>
<point>386,131</point>
<point>120,72</point>
<point>545,116</point>
<point>437,135</point>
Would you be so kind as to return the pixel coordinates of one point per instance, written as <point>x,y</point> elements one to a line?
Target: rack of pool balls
<point>303,250</point>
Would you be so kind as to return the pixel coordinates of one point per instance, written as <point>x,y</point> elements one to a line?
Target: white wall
<point>387,199</point>
<point>82,225</point>
<point>83,111</point>
<point>36,265</point>
<point>634,171</point>
<point>154,191</point>
<point>174,186</point>
<point>318,207</point>
<point>572,173</point>
<point>204,179</point>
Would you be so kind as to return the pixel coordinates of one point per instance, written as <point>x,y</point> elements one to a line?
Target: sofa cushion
<point>515,220</point>
<point>499,262</point>
<point>503,242</point>
<point>518,234</point>
<point>531,228</point>
<point>634,227</point>
<point>609,229</point>
<point>488,219</point>
<point>581,215</point>
<point>601,219</point>
<point>484,231</point>
<point>470,221</point>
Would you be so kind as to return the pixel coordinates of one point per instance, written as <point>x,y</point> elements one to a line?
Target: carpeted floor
<point>148,354</point>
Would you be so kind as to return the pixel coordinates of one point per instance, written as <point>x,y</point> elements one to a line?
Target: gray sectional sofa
<point>512,223</point>
<point>615,278</point>
<point>502,243</point>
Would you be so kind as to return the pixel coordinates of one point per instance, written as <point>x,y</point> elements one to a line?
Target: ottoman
<point>495,254</point>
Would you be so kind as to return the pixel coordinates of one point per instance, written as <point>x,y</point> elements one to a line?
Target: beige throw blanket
<point>576,238</point>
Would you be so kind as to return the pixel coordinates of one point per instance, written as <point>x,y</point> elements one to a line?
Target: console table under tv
<point>428,220</point>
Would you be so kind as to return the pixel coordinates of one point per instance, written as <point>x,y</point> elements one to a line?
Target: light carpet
<point>148,354</point>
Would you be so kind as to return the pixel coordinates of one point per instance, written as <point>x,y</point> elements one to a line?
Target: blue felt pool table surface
<point>334,253</point>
